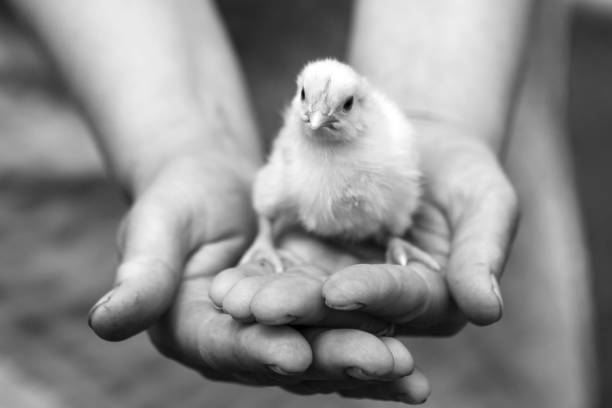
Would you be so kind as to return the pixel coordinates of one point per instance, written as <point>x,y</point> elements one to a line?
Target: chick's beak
<point>319,119</point>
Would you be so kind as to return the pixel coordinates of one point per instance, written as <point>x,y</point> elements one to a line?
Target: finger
<point>152,247</point>
<point>484,227</point>
<point>403,363</point>
<point>225,280</point>
<point>197,334</point>
<point>412,389</point>
<point>346,354</point>
<point>234,289</point>
<point>395,292</point>
<point>237,301</point>
<point>294,297</point>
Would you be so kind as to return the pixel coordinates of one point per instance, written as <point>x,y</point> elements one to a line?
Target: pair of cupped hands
<point>329,323</point>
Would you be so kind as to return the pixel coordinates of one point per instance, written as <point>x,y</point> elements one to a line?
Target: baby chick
<point>345,164</point>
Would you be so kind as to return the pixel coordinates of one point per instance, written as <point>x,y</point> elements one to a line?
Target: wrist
<point>447,145</point>
<point>437,133</point>
<point>171,144</point>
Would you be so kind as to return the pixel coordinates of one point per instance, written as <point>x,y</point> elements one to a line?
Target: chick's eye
<point>348,104</point>
<point>303,94</point>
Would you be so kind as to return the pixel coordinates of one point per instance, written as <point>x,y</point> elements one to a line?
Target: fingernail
<point>497,292</point>
<point>359,374</point>
<point>402,259</point>
<point>408,399</point>
<point>104,299</point>
<point>346,308</point>
<point>346,293</point>
<point>276,369</point>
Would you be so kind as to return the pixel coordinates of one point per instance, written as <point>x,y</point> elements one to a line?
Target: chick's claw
<point>265,254</point>
<point>400,252</point>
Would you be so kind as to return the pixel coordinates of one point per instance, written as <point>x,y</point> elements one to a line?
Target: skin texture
<point>469,212</point>
<point>459,65</point>
<point>466,196</point>
<point>169,141</point>
<point>462,79</point>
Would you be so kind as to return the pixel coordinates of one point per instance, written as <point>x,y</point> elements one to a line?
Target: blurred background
<point>590,125</point>
<point>58,214</point>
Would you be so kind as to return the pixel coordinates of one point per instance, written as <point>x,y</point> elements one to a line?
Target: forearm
<point>156,79</point>
<point>453,60</point>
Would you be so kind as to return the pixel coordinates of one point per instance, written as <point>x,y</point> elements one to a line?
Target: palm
<point>196,220</point>
<point>192,222</point>
<point>322,258</point>
<point>431,231</point>
<point>466,222</point>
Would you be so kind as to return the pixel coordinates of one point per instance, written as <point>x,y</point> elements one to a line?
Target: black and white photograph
<point>305,203</point>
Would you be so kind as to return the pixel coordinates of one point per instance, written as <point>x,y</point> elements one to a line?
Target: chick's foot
<point>400,252</point>
<point>263,252</point>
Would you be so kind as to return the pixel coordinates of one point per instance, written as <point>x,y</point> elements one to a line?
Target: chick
<point>345,164</point>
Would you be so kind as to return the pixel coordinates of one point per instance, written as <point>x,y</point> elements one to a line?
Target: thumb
<point>152,245</point>
<point>483,231</point>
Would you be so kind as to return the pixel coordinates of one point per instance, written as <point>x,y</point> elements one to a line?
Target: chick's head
<point>331,99</point>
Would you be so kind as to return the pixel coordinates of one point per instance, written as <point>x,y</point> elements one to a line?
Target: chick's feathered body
<point>366,187</point>
<point>345,164</point>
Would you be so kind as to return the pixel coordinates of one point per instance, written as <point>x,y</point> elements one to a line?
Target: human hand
<point>193,220</point>
<point>466,222</point>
